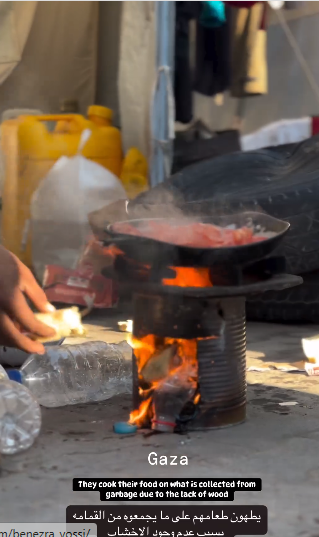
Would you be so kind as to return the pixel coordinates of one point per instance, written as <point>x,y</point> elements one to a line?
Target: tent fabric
<point>15,23</point>
<point>137,73</point>
<point>108,57</point>
<point>59,60</point>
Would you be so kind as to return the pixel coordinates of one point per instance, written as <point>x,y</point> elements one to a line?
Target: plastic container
<point>30,148</point>
<point>100,115</point>
<point>12,114</point>
<point>20,418</point>
<point>134,173</point>
<point>169,398</point>
<point>73,374</point>
<point>16,358</point>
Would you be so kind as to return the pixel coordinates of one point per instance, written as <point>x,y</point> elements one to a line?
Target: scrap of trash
<point>66,323</point>
<point>287,368</point>
<point>126,326</point>
<point>309,367</point>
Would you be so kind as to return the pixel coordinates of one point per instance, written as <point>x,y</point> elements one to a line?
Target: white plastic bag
<point>73,188</point>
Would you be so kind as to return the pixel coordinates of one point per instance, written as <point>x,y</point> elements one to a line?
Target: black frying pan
<point>150,251</point>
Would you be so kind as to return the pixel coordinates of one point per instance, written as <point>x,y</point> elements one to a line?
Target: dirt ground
<point>280,444</point>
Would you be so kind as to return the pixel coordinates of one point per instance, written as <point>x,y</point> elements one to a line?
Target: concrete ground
<point>279,444</point>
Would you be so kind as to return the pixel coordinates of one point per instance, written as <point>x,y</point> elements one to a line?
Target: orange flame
<point>112,251</point>
<point>185,367</point>
<point>143,349</point>
<point>189,277</point>
<point>137,417</point>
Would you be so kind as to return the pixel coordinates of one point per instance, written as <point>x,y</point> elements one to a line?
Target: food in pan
<point>196,235</point>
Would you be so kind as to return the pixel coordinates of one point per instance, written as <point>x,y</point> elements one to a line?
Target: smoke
<point>169,207</point>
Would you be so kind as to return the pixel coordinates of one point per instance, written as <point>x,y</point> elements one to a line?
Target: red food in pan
<point>195,235</point>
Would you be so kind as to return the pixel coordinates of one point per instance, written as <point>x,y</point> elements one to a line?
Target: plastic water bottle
<point>20,416</point>
<point>73,374</point>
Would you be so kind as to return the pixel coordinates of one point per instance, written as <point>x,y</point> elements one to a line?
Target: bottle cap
<point>15,375</point>
<point>100,111</point>
<point>122,427</point>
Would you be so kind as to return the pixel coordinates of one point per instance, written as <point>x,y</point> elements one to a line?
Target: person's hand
<point>16,317</point>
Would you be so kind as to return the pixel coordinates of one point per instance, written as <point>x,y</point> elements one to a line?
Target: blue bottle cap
<point>122,427</point>
<point>15,374</point>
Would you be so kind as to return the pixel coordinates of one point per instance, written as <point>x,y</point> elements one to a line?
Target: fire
<point>143,349</point>
<point>189,277</point>
<point>162,362</point>
<point>151,346</point>
<point>137,417</point>
<point>112,251</point>
<point>168,366</point>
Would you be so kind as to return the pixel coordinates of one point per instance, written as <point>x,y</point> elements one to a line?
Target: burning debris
<point>170,398</point>
<point>168,379</point>
<point>159,365</point>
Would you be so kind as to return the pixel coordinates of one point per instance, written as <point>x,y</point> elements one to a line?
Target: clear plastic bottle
<point>169,399</point>
<point>20,417</point>
<point>73,374</point>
